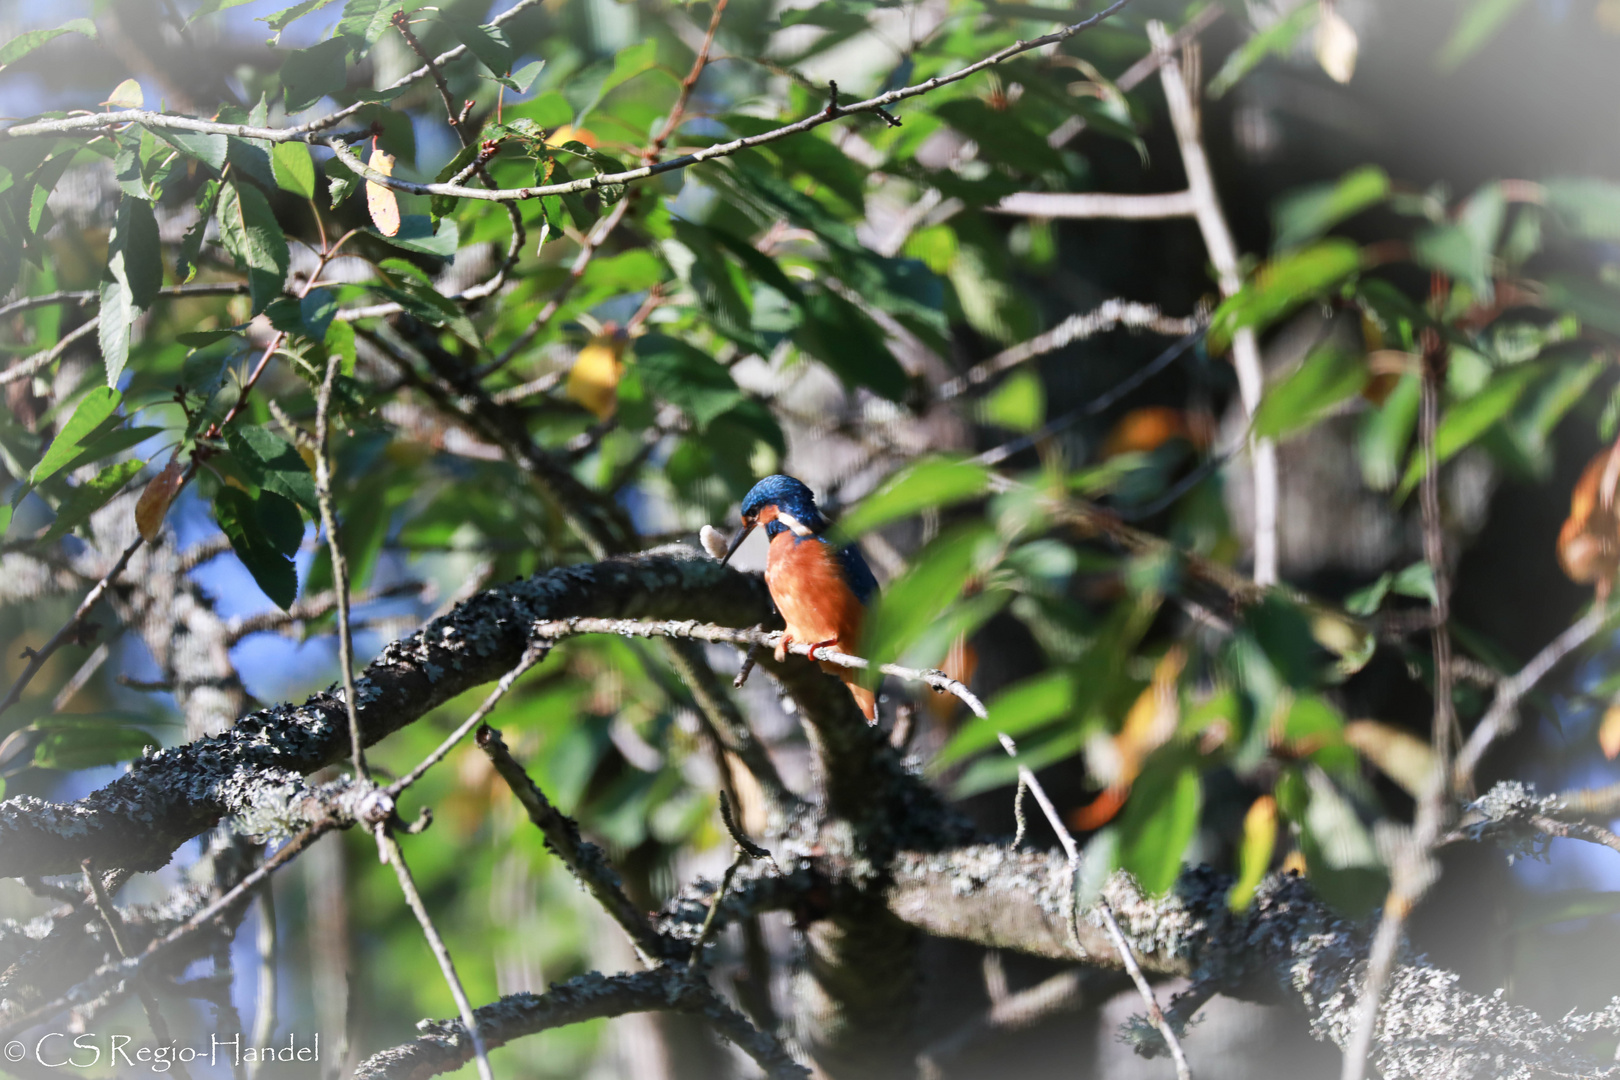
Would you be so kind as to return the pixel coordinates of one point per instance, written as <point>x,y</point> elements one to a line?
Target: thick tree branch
<point>1288,948</point>
<point>251,770</point>
<point>444,1046</point>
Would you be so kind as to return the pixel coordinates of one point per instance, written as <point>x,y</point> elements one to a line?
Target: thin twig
<point>70,630</point>
<point>1503,715</point>
<point>81,297</point>
<point>875,105</point>
<point>1223,254</point>
<point>583,859</point>
<point>24,368</point>
<point>1413,870</point>
<point>115,927</point>
<point>1106,316</point>
<point>1098,204</point>
<point>264,1015</point>
<point>532,655</point>
<point>340,565</point>
<point>407,885</point>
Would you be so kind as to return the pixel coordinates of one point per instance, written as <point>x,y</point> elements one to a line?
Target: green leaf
<point>1026,706</point>
<point>238,515</point>
<point>1465,248</point>
<point>1276,40</point>
<point>1467,420</point>
<point>117,313</point>
<point>191,244</point>
<point>134,242</point>
<point>841,336</point>
<point>89,497</point>
<point>417,233</point>
<point>925,485</point>
<point>294,168</point>
<point>440,205</point>
<point>206,147</point>
<point>1385,432</point>
<point>1328,377</point>
<point>249,231</point>
<point>200,339</point>
<point>98,406</point>
<point>1280,286</point>
<point>25,43</point>
<point>523,78</point>
<point>1001,135</point>
<point>341,182</point>
<point>1587,206</point>
<point>1306,214</point>
<point>273,464</point>
<point>88,741</point>
<point>283,18</point>
<point>684,376</point>
<point>108,443</point>
<point>316,311</point>
<point>1157,824</point>
<point>630,62</point>
<point>488,43</point>
<point>313,73</point>
<point>428,304</point>
<point>1475,26</point>
<point>1018,404</point>
<point>916,599</point>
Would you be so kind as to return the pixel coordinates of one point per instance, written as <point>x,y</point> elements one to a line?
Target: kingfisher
<point>821,589</point>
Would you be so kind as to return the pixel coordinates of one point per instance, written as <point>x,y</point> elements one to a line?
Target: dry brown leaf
<point>153,505</point>
<point>1589,542</point>
<point>380,199</point>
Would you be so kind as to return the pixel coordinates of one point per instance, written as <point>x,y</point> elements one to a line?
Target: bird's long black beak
<point>736,541</point>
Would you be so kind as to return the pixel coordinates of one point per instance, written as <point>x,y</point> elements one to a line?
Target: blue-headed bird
<point>820,589</point>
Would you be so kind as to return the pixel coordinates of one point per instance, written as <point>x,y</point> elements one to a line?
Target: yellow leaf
<point>1336,45</point>
<point>1404,758</point>
<point>1254,855</point>
<point>153,505</point>
<point>1609,732</point>
<point>380,199</point>
<point>126,95</point>
<point>594,379</point>
<point>570,133</point>
<point>1294,863</point>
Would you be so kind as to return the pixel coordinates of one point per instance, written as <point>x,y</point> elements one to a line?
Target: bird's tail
<point>866,699</point>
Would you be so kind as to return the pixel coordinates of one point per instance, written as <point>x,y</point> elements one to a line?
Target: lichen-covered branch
<point>444,1046</point>
<point>1287,948</point>
<point>256,769</point>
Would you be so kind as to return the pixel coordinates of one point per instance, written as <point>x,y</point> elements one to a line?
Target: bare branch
<point>22,369</point>
<point>1223,253</point>
<point>583,859</point>
<point>1098,204</point>
<point>389,845</point>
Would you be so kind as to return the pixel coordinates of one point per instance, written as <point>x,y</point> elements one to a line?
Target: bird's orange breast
<point>806,580</point>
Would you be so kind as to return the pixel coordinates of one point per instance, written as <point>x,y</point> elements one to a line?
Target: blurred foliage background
<point>1062,513</point>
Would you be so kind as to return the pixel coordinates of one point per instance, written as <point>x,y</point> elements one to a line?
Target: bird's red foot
<point>829,643</point>
<point>782,646</point>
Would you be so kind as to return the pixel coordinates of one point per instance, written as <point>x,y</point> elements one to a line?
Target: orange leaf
<point>153,505</point>
<point>1146,429</point>
<point>1101,810</point>
<point>380,199</point>
<point>1589,542</point>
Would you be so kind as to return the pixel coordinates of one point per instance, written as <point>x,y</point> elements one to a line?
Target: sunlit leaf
<point>1157,824</point>
<point>1254,853</point>
<point>93,410</point>
<point>25,43</point>
<point>1282,285</point>
<point>1276,40</point>
<point>1306,214</point>
<point>924,485</point>
<point>1020,708</point>
<point>89,497</point>
<point>294,168</point>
